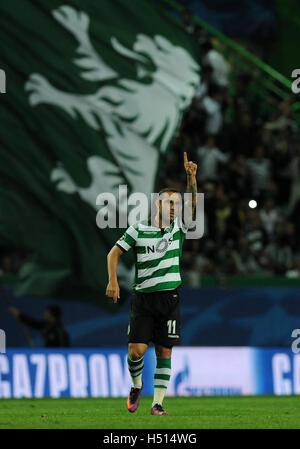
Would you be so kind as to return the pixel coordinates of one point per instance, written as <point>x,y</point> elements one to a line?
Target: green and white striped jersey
<point>157,254</point>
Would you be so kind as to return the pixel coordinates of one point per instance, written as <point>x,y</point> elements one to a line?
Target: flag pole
<point>9,303</point>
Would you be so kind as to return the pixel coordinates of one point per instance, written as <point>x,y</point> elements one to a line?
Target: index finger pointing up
<point>185,157</point>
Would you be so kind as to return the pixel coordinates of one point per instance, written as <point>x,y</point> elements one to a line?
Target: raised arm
<point>113,290</point>
<point>191,172</point>
<point>32,322</point>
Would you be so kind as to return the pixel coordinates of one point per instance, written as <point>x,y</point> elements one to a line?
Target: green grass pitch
<point>260,412</point>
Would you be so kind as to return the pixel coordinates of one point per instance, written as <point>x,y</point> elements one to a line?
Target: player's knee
<point>135,353</point>
<point>163,352</point>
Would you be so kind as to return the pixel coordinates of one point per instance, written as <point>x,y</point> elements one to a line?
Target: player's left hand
<point>190,167</point>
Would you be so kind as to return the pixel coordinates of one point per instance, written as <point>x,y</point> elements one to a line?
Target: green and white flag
<point>95,91</point>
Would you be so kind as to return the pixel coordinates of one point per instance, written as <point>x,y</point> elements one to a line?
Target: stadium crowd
<point>247,150</point>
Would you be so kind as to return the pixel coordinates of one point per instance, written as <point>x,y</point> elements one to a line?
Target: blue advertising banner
<point>69,373</point>
<point>277,371</point>
<point>227,371</point>
<point>206,371</point>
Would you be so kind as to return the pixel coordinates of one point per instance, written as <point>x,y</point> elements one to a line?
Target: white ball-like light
<point>252,204</point>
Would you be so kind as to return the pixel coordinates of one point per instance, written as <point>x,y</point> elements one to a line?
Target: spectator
<point>187,20</point>
<point>277,256</point>
<point>226,259</point>
<point>204,260</point>
<point>294,271</point>
<point>200,34</point>
<point>237,178</point>
<point>245,98</point>
<point>209,156</point>
<point>51,327</point>
<point>244,262</point>
<point>283,119</point>
<point>239,216</point>
<point>222,216</point>
<point>209,190</point>
<point>206,81</point>
<point>269,216</point>
<point>255,234</point>
<point>211,105</point>
<point>218,63</point>
<point>259,169</point>
<point>243,135</point>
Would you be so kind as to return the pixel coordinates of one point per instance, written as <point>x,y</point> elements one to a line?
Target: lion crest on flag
<point>133,114</point>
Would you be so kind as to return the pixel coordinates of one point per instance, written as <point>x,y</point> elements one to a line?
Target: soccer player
<point>155,312</point>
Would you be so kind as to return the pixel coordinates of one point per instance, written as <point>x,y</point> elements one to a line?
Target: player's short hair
<point>169,189</point>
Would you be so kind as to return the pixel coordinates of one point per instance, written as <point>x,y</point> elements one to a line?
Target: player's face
<point>170,206</point>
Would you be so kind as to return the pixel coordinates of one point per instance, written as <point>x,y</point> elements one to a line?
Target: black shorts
<point>155,317</point>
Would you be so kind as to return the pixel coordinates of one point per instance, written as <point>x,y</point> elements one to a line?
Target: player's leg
<point>135,361</point>
<point>161,378</point>
<point>139,334</point>
<point>166,335</point>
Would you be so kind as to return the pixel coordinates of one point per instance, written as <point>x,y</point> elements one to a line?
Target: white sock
<point>161,379</point>
<point>159,394</point>
<point>137,381</point>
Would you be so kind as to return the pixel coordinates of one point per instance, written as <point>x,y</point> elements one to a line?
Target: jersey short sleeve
<point>128,239</point>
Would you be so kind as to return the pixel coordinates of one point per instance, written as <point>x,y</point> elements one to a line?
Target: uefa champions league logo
<point>2,342</point>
